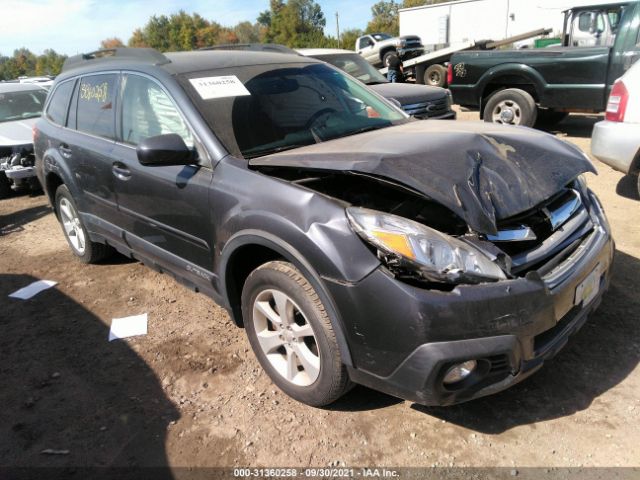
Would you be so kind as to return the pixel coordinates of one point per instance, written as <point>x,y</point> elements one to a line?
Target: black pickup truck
<point>520,87</point>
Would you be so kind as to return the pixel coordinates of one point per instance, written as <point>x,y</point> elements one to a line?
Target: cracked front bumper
<point>403,338</point>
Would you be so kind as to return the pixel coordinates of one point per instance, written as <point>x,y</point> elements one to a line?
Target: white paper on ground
<point>219,87</point>
<point>128,327</point>
<point>33,289</point>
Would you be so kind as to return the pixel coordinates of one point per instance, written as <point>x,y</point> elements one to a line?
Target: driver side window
<point>364,42</point>
<point>147,111</point>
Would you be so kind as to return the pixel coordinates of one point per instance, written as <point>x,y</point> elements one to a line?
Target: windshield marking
<point>219,87</point>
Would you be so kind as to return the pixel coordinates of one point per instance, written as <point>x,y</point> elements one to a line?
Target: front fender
<point>510,71</point>
<point>291,254</point>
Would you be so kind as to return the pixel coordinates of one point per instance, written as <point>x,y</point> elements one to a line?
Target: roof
<point>178,62</point>
<point>312,52</point>
<point>7,87</point>
<point>201,60</point>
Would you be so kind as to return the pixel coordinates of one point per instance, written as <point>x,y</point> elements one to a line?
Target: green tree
<point>384,18</point>
<point>298,23</point>
<point>248,32</point>
<point>348,38</point>
<point>111,42</point>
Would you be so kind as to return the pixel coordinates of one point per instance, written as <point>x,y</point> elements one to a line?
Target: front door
<point>165,209</point>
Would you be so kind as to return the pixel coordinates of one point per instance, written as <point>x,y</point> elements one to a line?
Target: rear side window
<point>57,109</point>
<point>95,110</point>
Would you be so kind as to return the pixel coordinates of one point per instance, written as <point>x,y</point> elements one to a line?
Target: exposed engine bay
<point>17,169</point>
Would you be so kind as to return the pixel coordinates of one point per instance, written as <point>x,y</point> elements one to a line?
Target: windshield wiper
<point>270,151</point>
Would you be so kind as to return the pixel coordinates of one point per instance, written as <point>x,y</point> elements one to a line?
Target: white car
<point>616,140</point>
<point>20,106</point>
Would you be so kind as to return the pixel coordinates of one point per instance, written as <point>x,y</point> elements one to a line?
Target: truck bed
<point>563,77</point>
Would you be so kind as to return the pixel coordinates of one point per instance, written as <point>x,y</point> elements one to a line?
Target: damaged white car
<point>20,106</point>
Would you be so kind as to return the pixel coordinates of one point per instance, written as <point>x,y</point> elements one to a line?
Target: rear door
<point>165,209</point>
<point>88,143</point>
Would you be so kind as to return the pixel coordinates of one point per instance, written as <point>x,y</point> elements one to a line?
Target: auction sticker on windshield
<point>219,87</point>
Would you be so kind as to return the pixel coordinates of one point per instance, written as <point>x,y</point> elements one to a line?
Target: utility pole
<point>338,28</point>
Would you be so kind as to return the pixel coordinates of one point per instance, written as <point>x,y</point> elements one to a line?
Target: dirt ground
<point>190,393</point>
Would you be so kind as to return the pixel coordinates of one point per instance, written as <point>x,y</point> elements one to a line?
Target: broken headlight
<point>432,255</point>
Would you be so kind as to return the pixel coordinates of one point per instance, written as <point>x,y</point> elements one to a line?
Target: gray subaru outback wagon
<point>435,261</point>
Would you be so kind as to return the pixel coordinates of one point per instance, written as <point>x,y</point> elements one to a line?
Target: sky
<point>78,26</point>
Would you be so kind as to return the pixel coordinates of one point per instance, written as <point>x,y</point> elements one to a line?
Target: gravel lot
<point>190,393</point>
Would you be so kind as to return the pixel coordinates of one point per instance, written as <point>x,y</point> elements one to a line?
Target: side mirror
<point>164,150</point>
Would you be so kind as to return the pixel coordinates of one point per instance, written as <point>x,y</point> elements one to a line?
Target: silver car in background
<point>21,105</point>
<point>616,140</point>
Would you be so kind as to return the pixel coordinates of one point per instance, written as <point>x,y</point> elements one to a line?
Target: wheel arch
<point>246,251</point>
<point>52,182</point>
<point>634,168</point>
<point>502,77</point>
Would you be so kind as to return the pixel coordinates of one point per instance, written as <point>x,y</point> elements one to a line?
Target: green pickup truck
<point>541,86</point>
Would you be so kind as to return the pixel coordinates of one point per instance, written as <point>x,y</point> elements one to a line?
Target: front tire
<point>511,106</point>
<point>74,230</point>
<point>386,57</point>
<point>291,334</point>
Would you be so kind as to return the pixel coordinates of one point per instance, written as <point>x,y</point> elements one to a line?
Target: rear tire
<point>5,186</point>
<point>511,107</point>
<point>435,76</point>
<point>74,230</point>
<point>292,336</point>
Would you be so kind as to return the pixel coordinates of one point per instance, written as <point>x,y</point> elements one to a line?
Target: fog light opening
<point>459,372</point>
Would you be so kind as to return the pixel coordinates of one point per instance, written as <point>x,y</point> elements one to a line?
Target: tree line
<point>294,23</point>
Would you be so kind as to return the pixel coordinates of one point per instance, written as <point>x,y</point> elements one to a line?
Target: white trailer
<point>446,24</point>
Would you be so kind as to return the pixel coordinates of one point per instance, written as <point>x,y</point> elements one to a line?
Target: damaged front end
<point>17,169</point>
<point>423,243</point>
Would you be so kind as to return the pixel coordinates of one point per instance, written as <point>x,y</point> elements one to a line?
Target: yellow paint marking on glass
<point>94,92</point>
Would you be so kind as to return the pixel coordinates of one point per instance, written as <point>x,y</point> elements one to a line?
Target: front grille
<point>559,228</point>
<point>428,109</point>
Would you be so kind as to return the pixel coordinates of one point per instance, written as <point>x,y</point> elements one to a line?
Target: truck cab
<point>541,86</point>
<point>592,26</point>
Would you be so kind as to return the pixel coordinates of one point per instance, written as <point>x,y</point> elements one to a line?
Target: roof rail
<point>255,47</point>
<point>147,55</point>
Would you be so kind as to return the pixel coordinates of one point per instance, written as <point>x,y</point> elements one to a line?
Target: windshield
<point>21,105</point>
<point>381,36</point>
<point>354,65</point>
<point>268,108</point>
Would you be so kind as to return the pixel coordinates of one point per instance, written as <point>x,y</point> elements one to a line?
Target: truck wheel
<point>511,107</point>
<point>75,232</point>
<point>5,185</point>
<point>291,334</point>
<point>435,76</point>
<point>386,57</point>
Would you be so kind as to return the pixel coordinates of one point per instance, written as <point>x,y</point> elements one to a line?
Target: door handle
<point>64,150</point>
<point>121,171</point>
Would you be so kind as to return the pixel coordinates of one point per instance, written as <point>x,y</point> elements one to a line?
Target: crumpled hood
<point>408,94</point>
<point>18,132</point>
<point>482,172</point>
